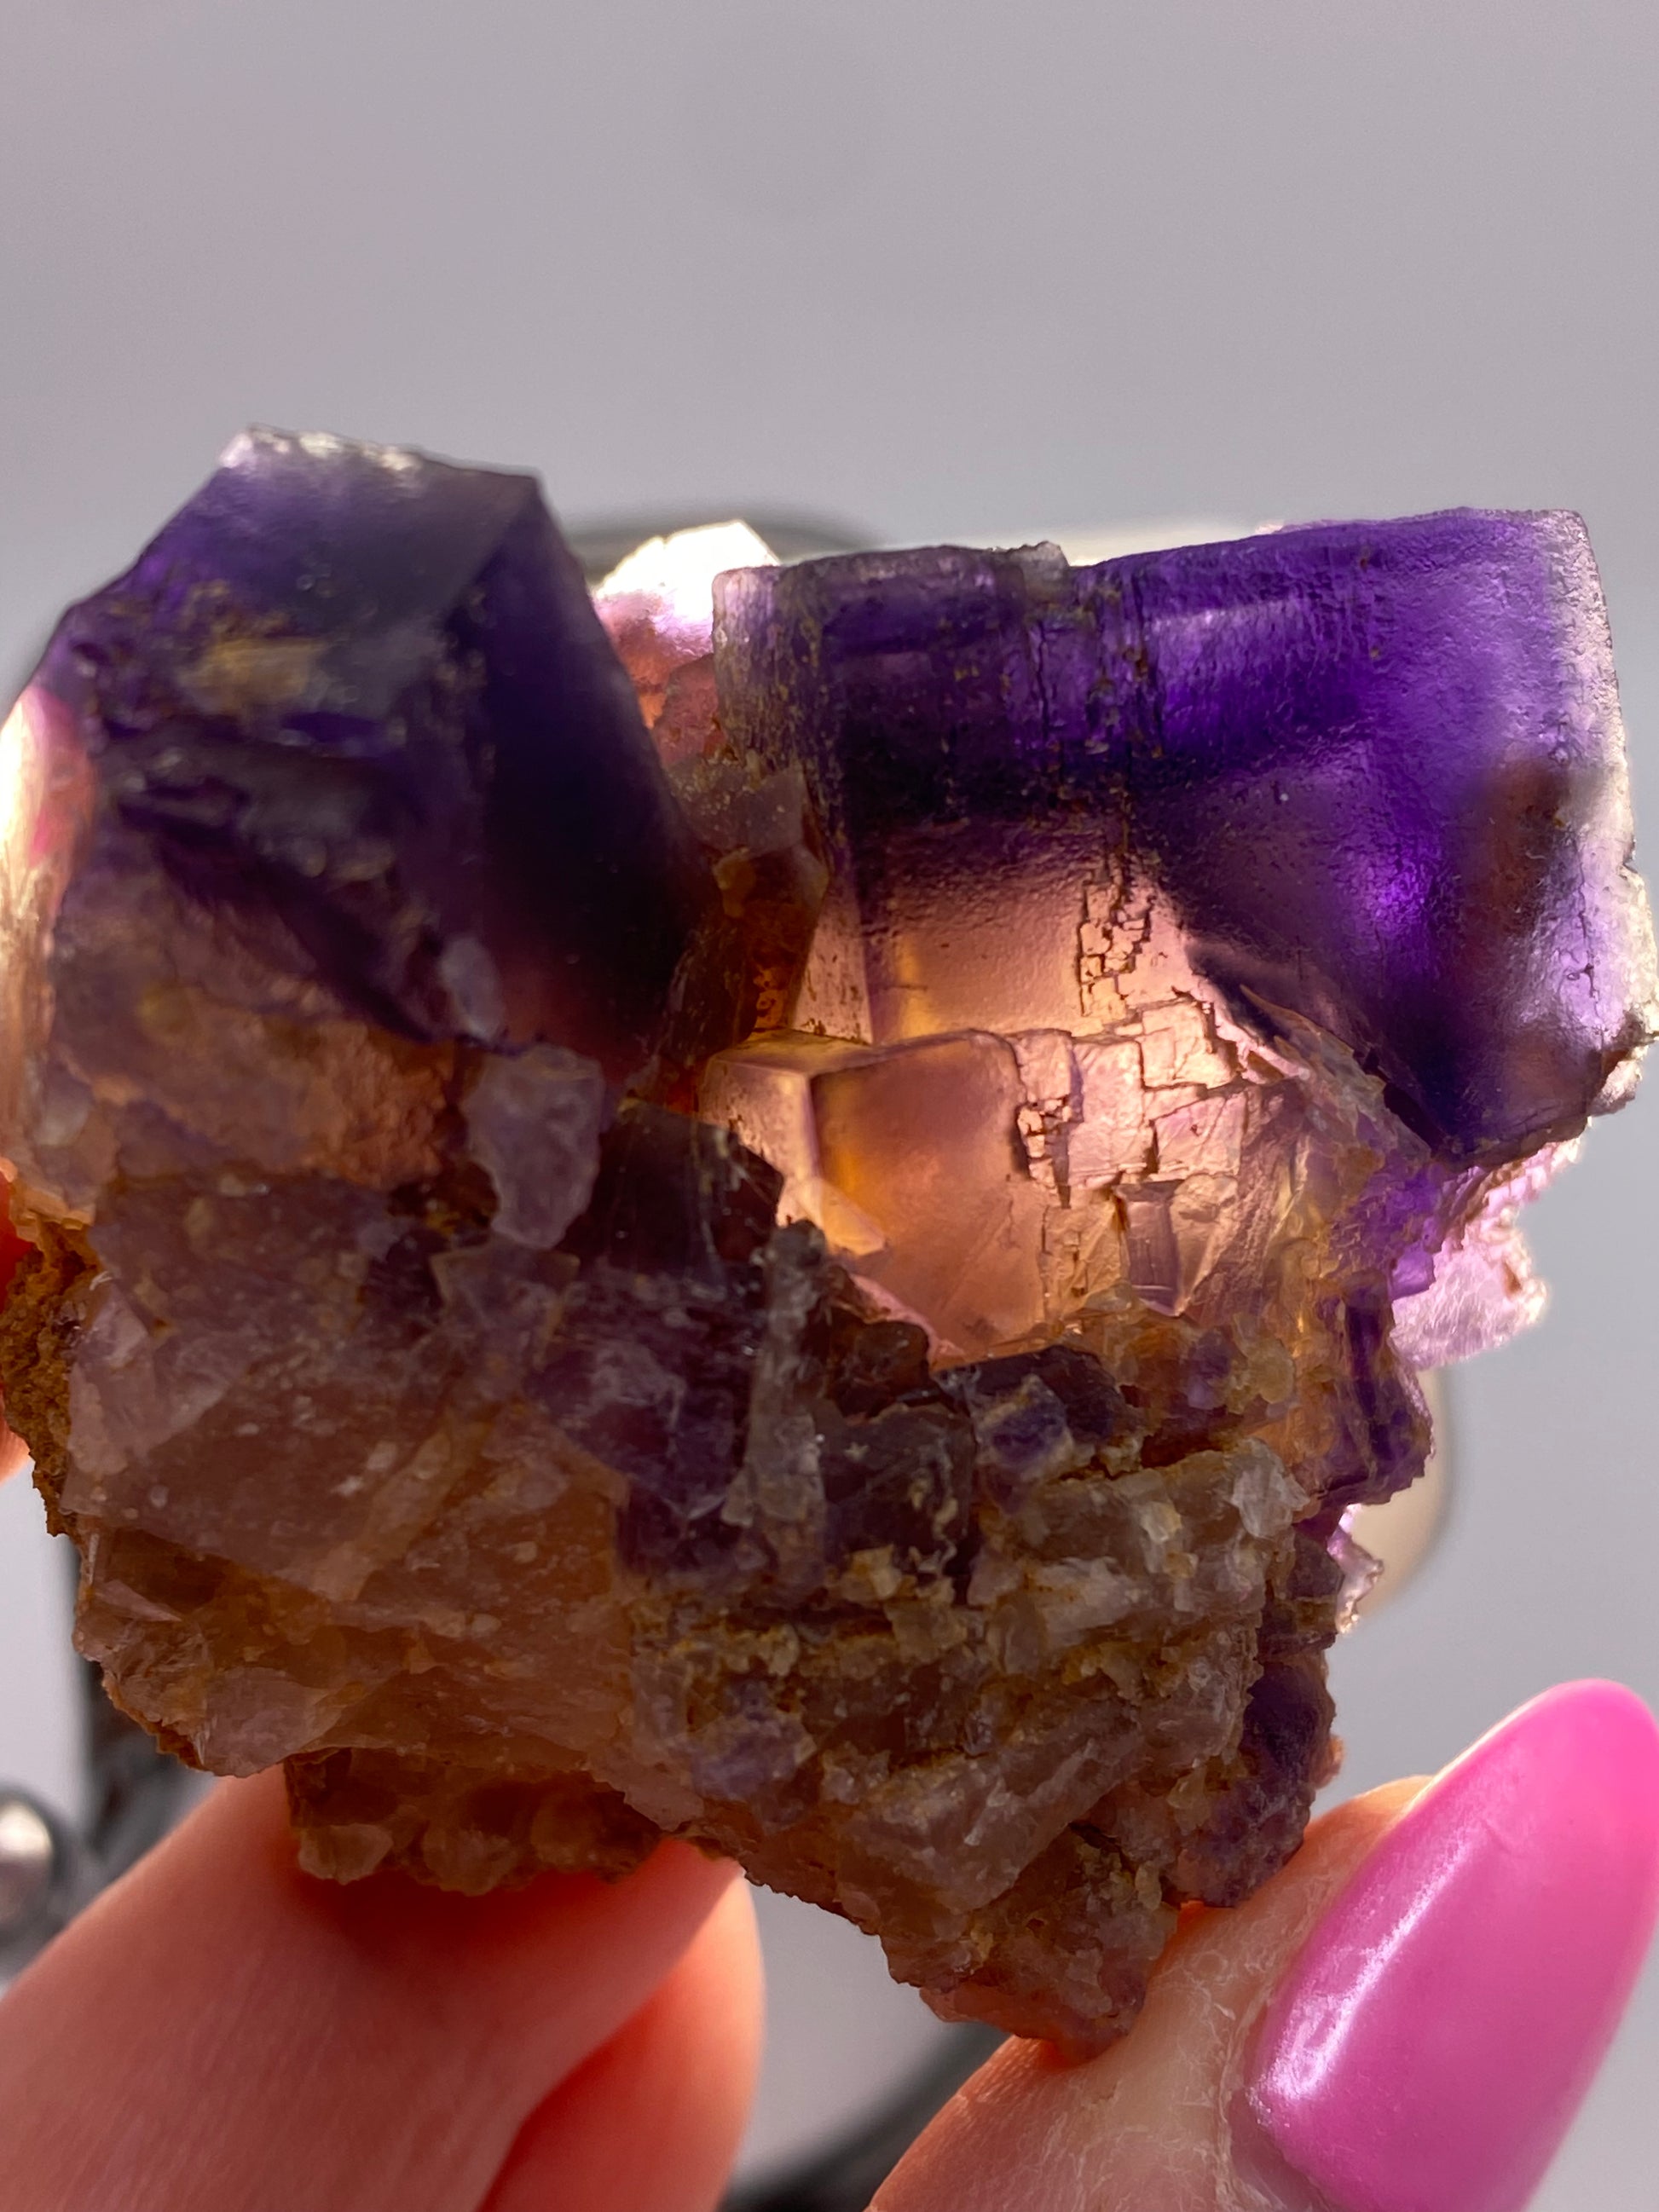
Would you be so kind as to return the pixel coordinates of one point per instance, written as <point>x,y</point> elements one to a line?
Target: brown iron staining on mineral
<point>766,1287</point>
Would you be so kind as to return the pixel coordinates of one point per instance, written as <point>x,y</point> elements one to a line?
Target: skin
<point>221,2033</point>
<point>1158,2121</point>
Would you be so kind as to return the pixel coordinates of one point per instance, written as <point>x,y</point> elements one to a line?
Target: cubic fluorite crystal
<point>820,1276</point>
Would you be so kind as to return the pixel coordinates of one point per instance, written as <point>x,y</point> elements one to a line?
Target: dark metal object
<point>47,1872</point>
<point>136,1791</point>
<point>47,1875</point>
<point>29,1858</point>
<point>846,2177</point>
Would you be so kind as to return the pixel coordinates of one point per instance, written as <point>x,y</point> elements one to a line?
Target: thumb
<point>1405,2020</point>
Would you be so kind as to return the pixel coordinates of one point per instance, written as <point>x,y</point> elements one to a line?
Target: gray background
<point>936,267</point>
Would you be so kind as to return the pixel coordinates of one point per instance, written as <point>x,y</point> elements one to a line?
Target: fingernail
<point>1437,2032</point>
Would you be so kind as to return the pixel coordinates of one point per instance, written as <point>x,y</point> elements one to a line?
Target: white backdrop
<point>936,267</point>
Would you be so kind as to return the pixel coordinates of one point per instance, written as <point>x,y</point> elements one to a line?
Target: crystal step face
<point>1375,771</point>
<point>806,1236</point>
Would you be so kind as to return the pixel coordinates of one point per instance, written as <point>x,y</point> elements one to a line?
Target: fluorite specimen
<point>819,1276</point>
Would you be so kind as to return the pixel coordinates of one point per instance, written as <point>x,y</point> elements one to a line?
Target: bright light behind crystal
<point>19,747</point>
<point>678,571</point>
<point>14,771</point>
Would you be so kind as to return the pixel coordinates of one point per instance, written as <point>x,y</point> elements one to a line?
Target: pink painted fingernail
<point>1431,2042</point>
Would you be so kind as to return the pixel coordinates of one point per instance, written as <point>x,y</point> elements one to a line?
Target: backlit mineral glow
<point>14,737</point>
<point>796,1211</point>
<point>658,609</point>
<point>676,575</point>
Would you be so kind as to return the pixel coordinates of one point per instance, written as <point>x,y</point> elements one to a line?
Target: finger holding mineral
<point>817,1268</point>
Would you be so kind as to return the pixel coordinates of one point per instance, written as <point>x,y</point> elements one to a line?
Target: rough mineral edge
<point>923,1477</point>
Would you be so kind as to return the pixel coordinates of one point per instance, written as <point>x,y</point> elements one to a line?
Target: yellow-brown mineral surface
<point>821,1276</point>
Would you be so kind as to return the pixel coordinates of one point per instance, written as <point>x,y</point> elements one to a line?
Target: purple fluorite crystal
<point>1376,769</point>
<point>821,1277</point>
<point>361,705</point>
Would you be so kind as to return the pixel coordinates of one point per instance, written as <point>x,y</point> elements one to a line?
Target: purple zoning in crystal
<point>368,709</point>
<point>812,1249</point>
<point>1377,769</point>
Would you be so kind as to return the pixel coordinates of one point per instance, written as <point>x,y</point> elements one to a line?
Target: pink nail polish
<point>1431,2042</point>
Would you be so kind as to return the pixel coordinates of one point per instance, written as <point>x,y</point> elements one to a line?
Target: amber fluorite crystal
<point>816,1267</point>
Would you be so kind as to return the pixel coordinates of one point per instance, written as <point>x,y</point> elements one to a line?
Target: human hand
<point>220,2032</point>
<point>1405,2019</point>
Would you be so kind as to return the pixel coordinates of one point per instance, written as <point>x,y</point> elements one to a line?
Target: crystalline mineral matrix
<point>819,1277</point>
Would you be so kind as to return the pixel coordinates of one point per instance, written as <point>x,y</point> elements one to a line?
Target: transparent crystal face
<point>803,1228</point>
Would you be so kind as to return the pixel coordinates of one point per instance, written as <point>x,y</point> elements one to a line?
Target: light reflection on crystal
<point>814,1245</point>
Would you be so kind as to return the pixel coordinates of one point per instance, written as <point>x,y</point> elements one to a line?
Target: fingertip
<point>1430,2044</point>
<point>1149,2122</point>
<point>651,2122</point>
<point>382,2042</point>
